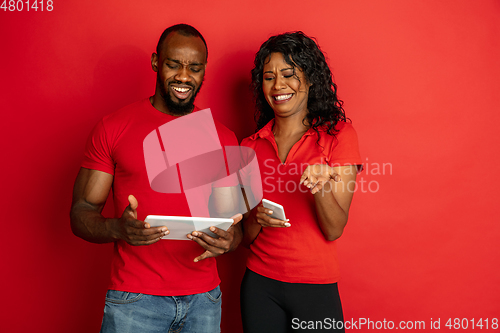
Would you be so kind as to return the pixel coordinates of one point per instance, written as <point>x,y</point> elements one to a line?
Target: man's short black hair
<point>183,29</point>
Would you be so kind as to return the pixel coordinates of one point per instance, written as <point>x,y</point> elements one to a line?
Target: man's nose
<point>182,75</point>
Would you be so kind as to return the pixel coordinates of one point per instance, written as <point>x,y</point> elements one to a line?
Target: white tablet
<point>278,210</point>
<point>180,226</point>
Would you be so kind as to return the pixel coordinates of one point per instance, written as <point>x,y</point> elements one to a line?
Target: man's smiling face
<point>181,67</point>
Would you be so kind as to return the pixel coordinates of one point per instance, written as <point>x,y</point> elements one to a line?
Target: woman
<point>308,158</point>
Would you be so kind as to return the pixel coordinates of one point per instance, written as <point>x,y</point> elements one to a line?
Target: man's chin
<point>182,102</point>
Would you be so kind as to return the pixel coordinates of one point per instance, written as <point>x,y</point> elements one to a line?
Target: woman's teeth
<point>282,97</point>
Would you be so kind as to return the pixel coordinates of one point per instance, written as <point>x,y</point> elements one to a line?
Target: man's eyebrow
<point>180,63</point>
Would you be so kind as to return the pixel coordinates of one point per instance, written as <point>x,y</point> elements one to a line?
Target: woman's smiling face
<point>285,87</point>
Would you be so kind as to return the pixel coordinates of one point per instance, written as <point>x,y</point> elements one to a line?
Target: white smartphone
<point>278,210</point>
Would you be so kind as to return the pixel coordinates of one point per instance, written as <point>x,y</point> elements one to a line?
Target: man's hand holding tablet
<point>215,235</point>
<point>225,240</point>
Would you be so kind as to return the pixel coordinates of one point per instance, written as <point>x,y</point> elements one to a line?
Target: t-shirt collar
<point>267,131</point>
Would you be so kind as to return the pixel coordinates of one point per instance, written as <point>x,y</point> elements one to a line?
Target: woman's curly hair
<point>298,50</point>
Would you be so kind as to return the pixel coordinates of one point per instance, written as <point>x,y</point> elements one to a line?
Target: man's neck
<point>159,104</point>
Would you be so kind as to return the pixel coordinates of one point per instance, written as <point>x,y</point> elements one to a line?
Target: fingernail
<point>212,229</point>
<point>166,232</point>
<point>195,234</point>
<point>190,237</point>
<point>196,260</point>
<point>163,229</point>
<point>287,225</point>
<point>270,212</point>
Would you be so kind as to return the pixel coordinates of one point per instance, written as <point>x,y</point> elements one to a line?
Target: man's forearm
<point>90,225</point>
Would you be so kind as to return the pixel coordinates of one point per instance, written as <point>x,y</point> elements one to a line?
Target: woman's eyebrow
<point>281,70</point>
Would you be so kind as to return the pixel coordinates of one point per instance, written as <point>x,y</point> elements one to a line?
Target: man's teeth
<point>181,90</point>
<point>282,97</point>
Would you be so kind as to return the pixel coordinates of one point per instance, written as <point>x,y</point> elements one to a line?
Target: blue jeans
<point>126,312</point>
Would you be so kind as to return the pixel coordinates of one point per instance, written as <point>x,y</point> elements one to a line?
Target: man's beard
<point>178,109</point>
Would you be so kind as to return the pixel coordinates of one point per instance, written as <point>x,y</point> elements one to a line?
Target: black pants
<point>271,306</point>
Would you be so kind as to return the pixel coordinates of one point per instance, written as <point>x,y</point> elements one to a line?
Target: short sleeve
<point>98,152</point>
<point>345,149</point>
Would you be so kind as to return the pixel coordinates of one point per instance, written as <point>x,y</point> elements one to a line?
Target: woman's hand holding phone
<point>267,213</point>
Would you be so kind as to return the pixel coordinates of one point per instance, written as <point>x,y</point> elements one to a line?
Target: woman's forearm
<point>334,200</point>
<point>332,218</point>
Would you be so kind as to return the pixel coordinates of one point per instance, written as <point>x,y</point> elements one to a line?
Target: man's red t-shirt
<point>165,268</point>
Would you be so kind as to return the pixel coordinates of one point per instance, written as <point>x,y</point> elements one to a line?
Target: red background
<point>420,80</point>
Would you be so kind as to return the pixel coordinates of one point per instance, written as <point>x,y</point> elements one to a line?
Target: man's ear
<point>154,62</point>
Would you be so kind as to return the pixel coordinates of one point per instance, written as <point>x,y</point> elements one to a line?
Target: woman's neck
<point>290,126</point>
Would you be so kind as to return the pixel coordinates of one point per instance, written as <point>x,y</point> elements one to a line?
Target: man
<point>155,285</point>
